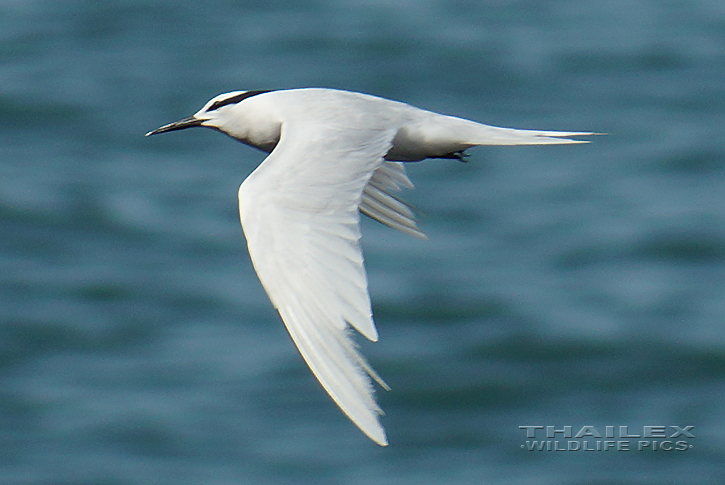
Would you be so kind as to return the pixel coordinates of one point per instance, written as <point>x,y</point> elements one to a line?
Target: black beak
<point>177,125</point>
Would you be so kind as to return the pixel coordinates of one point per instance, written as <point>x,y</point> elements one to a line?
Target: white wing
<point>380,204</point>
<point>299,211</point>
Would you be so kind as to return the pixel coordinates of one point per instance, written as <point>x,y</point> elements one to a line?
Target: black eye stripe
<point>236,99</point>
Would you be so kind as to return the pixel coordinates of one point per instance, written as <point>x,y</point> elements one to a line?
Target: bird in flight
<point>332,155</point>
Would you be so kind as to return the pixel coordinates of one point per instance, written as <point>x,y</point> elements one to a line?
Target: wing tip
<point>377,435</point>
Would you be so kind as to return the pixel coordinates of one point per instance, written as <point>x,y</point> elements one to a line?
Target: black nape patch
<point>236,99</point>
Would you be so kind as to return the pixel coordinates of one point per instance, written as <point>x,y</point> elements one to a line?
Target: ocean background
<point>578,285</point>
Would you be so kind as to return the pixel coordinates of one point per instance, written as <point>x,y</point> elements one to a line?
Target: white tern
<point>333,154</point>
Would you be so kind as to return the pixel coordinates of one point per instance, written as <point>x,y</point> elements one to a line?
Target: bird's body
<point>334,154</point>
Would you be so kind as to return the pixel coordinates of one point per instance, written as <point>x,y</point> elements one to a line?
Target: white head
<point>223,113</point>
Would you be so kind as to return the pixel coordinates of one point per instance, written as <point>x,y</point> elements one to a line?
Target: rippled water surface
<point>560,286</point>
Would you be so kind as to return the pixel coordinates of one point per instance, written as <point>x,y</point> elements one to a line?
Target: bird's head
<point>222,113</point>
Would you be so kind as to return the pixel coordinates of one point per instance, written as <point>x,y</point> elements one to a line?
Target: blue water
<point>561,286</point>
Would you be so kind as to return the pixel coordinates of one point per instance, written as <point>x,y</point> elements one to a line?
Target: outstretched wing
<point>299,211</point>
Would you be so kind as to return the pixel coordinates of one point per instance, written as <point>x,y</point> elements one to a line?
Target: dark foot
<point>459,155</point>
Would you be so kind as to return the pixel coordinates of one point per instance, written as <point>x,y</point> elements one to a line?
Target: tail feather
<point>434,136</point>
<point>481,134</point>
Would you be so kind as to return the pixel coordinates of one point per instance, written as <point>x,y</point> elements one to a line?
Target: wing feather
<point>299,211</point>
<point>379,203</point>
